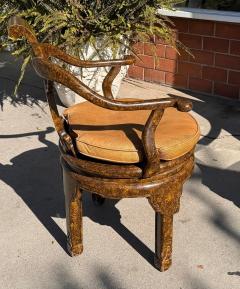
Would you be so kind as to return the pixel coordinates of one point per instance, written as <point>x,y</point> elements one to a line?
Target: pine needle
<point>22,72</point>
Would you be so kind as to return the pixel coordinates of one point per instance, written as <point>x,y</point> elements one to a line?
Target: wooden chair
<point>124,148</point>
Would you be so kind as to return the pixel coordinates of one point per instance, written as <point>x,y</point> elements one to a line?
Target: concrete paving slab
<point>118,237</point>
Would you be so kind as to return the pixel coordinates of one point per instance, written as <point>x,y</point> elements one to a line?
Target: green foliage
<point>73,23</point>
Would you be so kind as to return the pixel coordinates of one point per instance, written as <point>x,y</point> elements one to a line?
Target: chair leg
<point>73,205</point>
<point>163,241</point>
<point>166,203</point>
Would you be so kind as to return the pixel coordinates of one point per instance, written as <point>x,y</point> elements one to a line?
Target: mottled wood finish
<point>163,241</point>
<point>148,139</point>
<point>159,181</point>
<point>73,207</point>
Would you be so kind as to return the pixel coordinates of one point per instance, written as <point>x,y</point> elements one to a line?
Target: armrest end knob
<point>184,105</point>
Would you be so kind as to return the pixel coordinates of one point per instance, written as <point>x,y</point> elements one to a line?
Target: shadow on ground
<point>224,182</point>
<point>9,75</point>
<point>35,176</point>
<point>101,275</point>
<point>224,187</point>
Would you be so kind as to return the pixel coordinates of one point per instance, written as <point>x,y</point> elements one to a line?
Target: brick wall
<point>215,68</point>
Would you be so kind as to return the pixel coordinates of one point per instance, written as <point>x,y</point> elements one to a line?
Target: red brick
<point>227,30</point>
<point>160,50</point>
<point>213,73</point>
<point>149,49</point>
<point>202,85</point>
<point>135,72</point>
<point>145,61</point>
<point>215,44</point>
<point>227,61</point>
<point>180,55</point>
<point>203,57</point>
<point>235,47</point>
<point>181,24</point>
<point>154,75</point>
<point>201,27</point>
<point>177,80</point>
<point>138,48</point>
<point>154,50</point>
<point>234,77</point>
<point>166,64</point>
<point>226,90</point>
<point>171,53</point>
<point>192,69</point>
<point>191,41</point>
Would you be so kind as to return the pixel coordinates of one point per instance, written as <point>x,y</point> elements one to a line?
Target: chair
<point>124,148</point>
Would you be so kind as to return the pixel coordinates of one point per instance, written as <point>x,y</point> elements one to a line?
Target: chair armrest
<point>53,72</point>
<point>54,51</point>
<point>152,157</point>
<point>115,65</point>
<point>183,104</point>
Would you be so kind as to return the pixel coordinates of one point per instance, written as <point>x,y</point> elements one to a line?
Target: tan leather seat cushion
<point>116,135</point>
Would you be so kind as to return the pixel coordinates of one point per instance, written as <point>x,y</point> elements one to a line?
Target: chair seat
<point>116,135</point>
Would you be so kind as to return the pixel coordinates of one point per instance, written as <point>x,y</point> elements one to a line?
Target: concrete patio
<point>118,237</point>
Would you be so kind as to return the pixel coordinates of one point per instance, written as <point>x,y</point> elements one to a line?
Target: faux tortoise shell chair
<point>116,148</point>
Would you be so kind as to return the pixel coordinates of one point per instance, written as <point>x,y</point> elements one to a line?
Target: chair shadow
<point>223,182</point>
<point>109,215</point>
<point>35,176</point>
